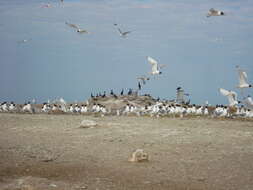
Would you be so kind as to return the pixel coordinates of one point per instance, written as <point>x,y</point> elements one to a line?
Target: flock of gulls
<point>235,108</point>
<point>159,108</point>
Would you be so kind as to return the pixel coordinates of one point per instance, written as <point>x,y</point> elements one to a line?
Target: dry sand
<point>51,152</point>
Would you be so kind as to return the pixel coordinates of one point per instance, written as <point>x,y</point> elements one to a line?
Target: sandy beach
<point>52,152</point>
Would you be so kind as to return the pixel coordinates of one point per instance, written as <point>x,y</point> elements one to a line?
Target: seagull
<point>123,34</point>
<point>213,12</point>
<point>231,95</point>
<point>79,30</point>
<point>24,41</point>
<point>242,80</point>
<point>155,66</point>
<point>143,79</point>
<point>248,102</point>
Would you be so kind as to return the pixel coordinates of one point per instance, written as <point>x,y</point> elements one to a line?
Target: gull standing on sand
<point>231,95</point>
<point>155,67</point>
<point>79,30</point>
<point>213,12</point>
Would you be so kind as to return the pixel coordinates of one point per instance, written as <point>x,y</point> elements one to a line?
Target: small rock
<point>27,187</point>
<point>139,156</point>
<point>88,123</point>
<point>52,185</point>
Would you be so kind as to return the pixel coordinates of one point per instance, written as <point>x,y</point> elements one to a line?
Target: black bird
<point>112,92</point>
<point>139,85</point>
<point>91,95</point>
<point>122,92</point>
<point>130,91</point>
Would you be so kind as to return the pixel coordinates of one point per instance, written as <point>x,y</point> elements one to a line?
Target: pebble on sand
<point>88,123</point>
<point>139,156</point>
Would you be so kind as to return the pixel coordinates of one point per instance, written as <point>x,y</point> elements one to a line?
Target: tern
<point>231,95</point>
<point>24,41</point>
<point>213,12</point>
<point>79,30</point>
<point>123,34</point>
<point>155,67</point>
<point>243,80</point>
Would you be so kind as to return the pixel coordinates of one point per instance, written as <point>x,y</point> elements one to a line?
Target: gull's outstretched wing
<point>242,77</point>
<point>248,102</point>
<point>83,31</point>
<point>152,61</point>
<point>161,66</point>
<point>125,33</point>
<point>213,11</point>
<point>120,31</point>
<point>154,68</point>
<point>72,25</point>
<point>224,92</point>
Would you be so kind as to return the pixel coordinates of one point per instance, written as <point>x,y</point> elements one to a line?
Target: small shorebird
<point>79,30</point>
<point>213,12</point>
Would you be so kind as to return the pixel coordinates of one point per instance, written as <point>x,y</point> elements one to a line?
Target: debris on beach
<point>88,123</point>
<point>139,156</point>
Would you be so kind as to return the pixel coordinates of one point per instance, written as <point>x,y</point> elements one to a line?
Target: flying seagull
<point>123,34</point>
<point>48,5</point>
<point>242,80</point>
<point>143,79</point>
<point>155,67</point>
<point>231,95</point>
<point>79,30</point>
<point>24,41</point>
<point>213,12</point>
